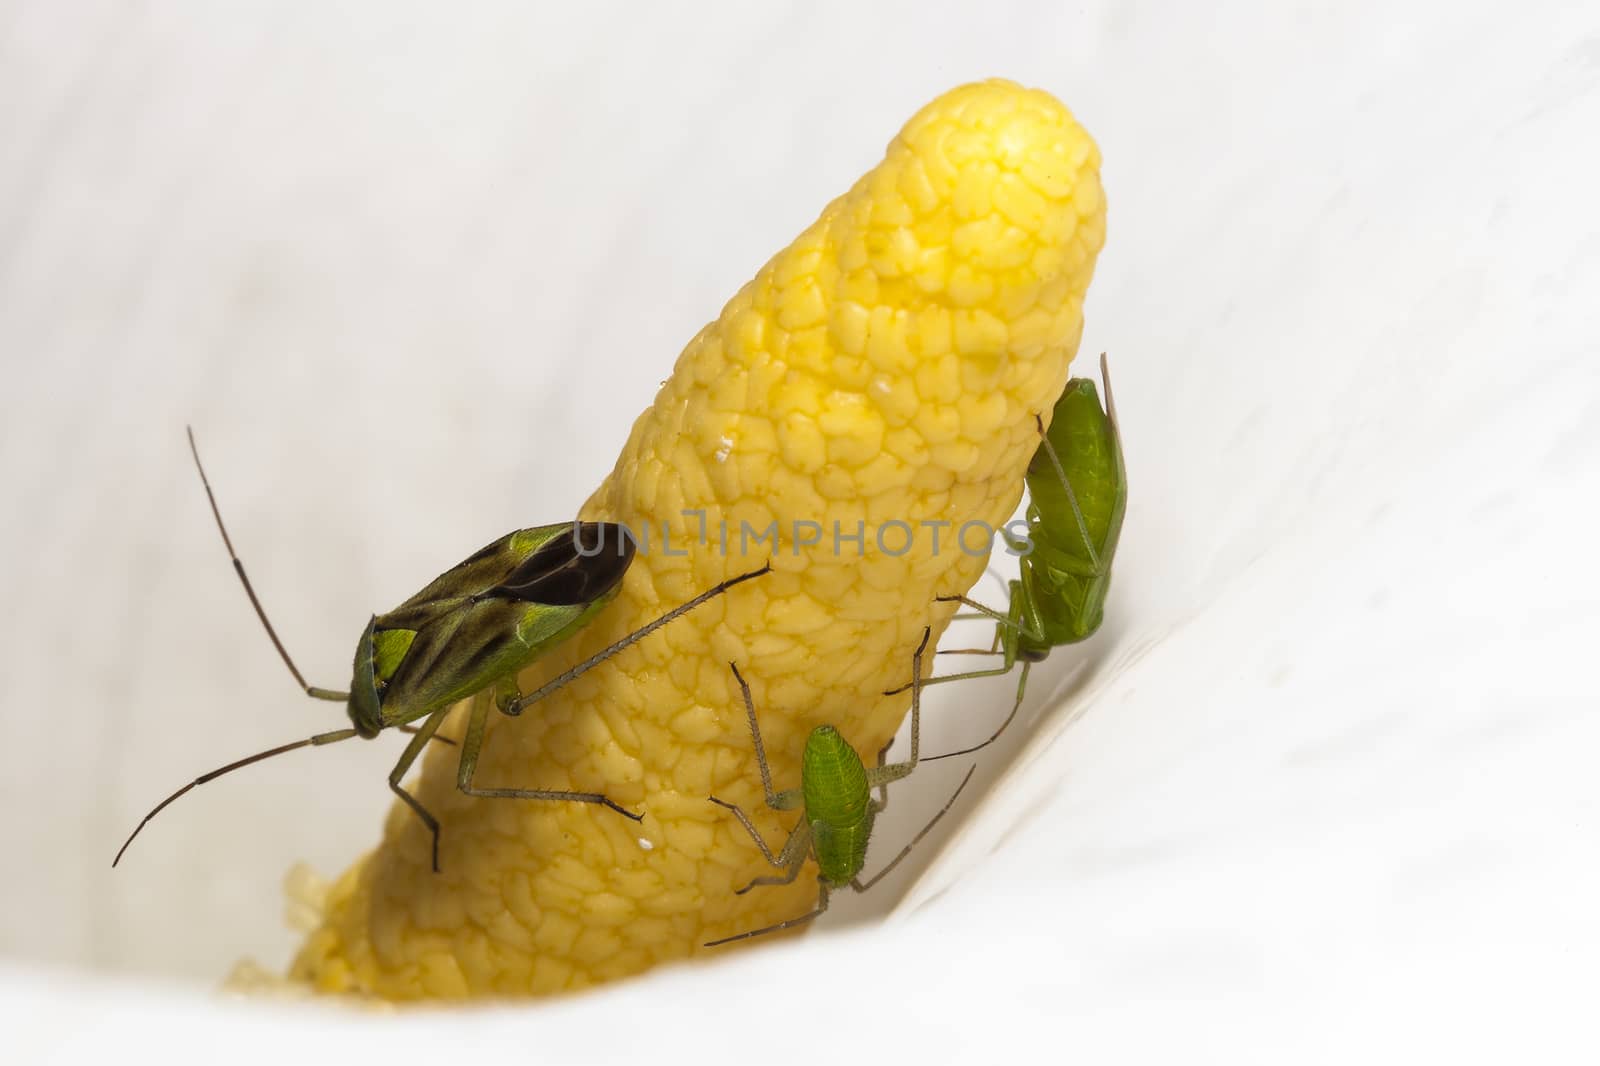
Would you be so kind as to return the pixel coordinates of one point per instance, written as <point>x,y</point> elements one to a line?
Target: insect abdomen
<point>1082,435</point>
<point>837,799</point>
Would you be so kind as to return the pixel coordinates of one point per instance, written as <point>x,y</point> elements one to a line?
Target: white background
<point>1329,788</point>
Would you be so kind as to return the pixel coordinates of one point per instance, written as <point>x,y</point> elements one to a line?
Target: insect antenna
<point>239,764</point>
<point>1111,404</point>
<point>249,590</point>
<point>321,738</point>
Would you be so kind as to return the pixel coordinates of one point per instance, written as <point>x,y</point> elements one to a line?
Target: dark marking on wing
<point>558,575</point>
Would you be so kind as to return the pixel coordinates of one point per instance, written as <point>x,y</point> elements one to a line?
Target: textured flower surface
<point>868,394</point>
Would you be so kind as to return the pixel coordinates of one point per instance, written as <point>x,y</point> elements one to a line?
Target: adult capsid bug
<point>469,630</point>
<point>836,804</point>
<point>1077,495</point>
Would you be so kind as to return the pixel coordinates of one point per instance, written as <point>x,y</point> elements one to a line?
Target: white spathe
<point>1323,789</point>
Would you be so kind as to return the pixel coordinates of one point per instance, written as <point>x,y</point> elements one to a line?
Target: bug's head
<point>366,704</point>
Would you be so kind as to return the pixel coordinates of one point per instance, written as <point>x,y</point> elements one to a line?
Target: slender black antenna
<point>321,738</point>
<point>632,638</point>
<point>249,590</point>
<point>316,741</point>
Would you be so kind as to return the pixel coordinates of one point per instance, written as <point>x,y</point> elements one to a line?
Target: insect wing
<point>569,570</point>
<point>1086,443</point>
<point>497,610</point>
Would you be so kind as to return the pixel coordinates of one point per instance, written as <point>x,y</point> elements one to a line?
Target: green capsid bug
<point>836,804</point>
<point>469,630</point>
<point>1075,511</point>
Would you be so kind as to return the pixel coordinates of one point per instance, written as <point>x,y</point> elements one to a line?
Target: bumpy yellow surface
<point>886,367</point>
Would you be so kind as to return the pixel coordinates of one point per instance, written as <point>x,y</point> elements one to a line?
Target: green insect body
<point>836,791</point>
<point>483,620</point>
<point>1066,576</point>
<point>468,632</point>
<point>1078,494</point>
<point>836,805</point>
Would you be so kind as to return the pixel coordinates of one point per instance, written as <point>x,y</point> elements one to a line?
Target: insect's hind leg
<point>1022,688</point>
<point>1007,631</point>
<point>791,859</point>
<point>472,745</point>
<point>821,908</point>
<point>1010,622</point>
<point>749,827</point>
<point>862,886</point>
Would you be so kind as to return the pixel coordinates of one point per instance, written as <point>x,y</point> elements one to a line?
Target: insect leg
<point>992,649</point>
<point>632,638</point>
<point>472,744</point>
<point>963,676</point>
<point>860,886</point>
<point>777,801</point>
<point>414,730</point>
<point>419,740</point>
<point>800,844</point>
<point>822,905</point>
<point>883,789</point>
<point>1008,645</point>
<point>880,775</point>
<point>980,611</point>
<point>916,694</point>
<point>983,611</point>
<point>790,859</point>
<point>749,827</point>
<point>994,643</point>
<point>1003,620</point>
<point>1022,685</point>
